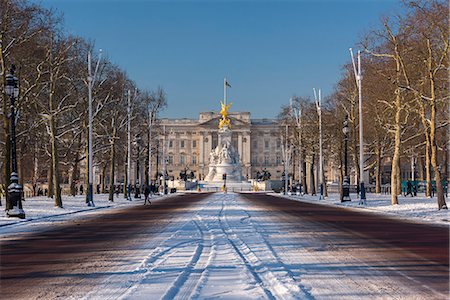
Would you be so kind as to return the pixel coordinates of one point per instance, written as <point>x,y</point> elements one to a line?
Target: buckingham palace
<point>190,142</point>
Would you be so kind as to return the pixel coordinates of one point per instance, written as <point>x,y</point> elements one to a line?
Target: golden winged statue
<point>224,112</point>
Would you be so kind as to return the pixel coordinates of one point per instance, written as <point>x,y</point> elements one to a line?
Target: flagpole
<point>225,91</point>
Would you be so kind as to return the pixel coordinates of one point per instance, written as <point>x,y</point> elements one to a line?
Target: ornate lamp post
<point>346,182</point>
<point>15,190</point>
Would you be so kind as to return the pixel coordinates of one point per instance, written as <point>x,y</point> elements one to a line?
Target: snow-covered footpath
<point>416,209</point>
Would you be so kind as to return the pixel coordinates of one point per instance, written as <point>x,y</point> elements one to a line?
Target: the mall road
<point>416,251</point>
<point>73,257</point>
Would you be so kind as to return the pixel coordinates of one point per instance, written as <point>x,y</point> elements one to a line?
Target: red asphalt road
<point>420,251</point>
<point>72,258</point>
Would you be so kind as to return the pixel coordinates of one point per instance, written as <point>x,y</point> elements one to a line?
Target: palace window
<point>181,144</point>
<point>194,159</point>
<point>194,144</point>
<point>182,159</point>
<point>170,160</point>
<point>266,144</point>
<point>278,143</point>
<point>266,160</point>
<point>255,144</point>
<point>278,160</point>
<point>170,143</point>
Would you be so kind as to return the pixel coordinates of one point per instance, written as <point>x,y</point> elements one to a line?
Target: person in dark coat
<point>147,194</point>
<point>81,189</point>
<point>409,188</point>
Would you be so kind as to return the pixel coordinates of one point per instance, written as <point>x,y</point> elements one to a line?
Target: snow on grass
<point>418,209</point>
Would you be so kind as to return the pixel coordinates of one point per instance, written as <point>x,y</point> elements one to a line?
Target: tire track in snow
<point>277,281</point>
<point>191,277</point>
<point>221,249</point>
<point>291,279</point>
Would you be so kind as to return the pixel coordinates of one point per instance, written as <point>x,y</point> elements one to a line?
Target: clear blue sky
<point>268,50</point>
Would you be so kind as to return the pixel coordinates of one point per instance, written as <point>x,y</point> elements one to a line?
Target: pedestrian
<point>409,189</point>
<point>129,192</point>
<point>98,188</point>
<point>117,190</point>
<point>81,189</point>
<point>147,194</point>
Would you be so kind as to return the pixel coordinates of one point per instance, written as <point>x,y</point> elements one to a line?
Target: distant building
<point>189,143</point>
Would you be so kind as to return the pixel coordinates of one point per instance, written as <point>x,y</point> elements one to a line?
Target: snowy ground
<point>419,208</point>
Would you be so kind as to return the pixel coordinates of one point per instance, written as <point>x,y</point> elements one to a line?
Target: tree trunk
<point>73,180</point>
<point>55,164</point>
<point>396,157</point>
<point>399,175</point>
<point>125,181</point>
<point>86,149</point>
<point>311,176</point>
<point>428,168</point>
<point>341,179</point>
<point>7,137</point>
<point>112,162</point>
<point>102,186</point>
<point>7,154</point>
<point>50,179</point>
<point>378,169</point>
<point>437,174</point>
<point>35,170</point>
<point>75,164</point>
<point>304,184</point>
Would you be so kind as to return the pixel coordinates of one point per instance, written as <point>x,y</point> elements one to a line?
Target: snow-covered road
<point>227,247</point>
<point>231,250</point>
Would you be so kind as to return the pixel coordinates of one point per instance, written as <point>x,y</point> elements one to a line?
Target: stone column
<point>240,146</point>
<point>202,155</point>
<point>246,154</point>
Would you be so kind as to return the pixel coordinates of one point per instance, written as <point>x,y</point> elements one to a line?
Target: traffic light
<point>224,176</point>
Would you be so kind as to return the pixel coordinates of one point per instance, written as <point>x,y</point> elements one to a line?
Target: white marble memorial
<point>224,159</point>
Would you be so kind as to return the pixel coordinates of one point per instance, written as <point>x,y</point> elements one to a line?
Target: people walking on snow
<point>147,194</point>
<point>129,192</point>
<point>81,189</point>
<point>409,189</point>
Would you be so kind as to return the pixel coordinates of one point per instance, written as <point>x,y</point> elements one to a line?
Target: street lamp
<point>297,112</point>
<point>319,112</point>
<point>346,182</point>
<point>15,190</point>
<point>358,77</point>
<point>91,80</point>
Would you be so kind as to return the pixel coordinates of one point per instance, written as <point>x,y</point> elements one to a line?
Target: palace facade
<point>189,143</point>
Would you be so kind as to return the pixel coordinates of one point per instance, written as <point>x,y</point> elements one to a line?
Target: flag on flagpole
<point>227,84</point>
